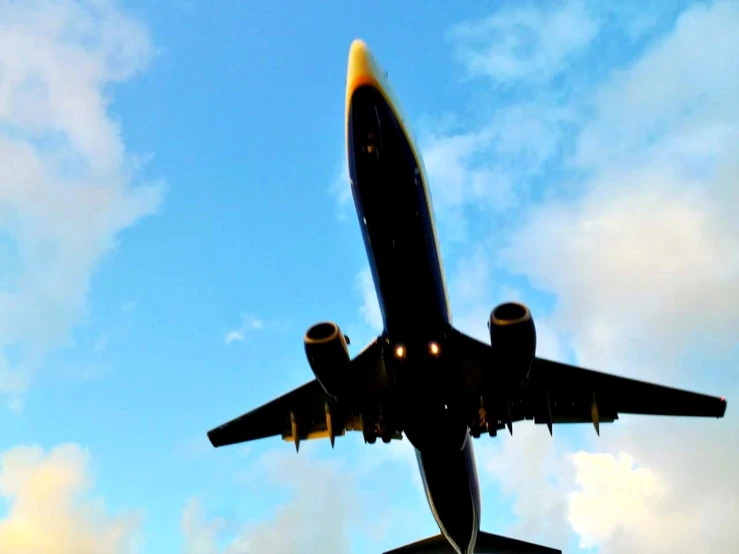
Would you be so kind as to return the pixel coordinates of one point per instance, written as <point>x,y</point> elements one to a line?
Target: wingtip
<point>722,411</point>
<point>212,438</point>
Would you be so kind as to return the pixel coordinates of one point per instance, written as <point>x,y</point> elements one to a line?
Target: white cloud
<point>232,336</point>
<point>527,467</point>
<point>655,500</point>
<point>101,343</point>
<point>370,307</point>
<point>48,512</point>
<point>640,246</point>
<point>341,190</point>
<point>524,43</point>
<point>674,106</point>
<point>320,514</point>
<point>65,178</point>
<point>473,298</point>
<point>201,534</point>
<point>649,254</point>
<point>642,264</point>
<point>249,323</point>
<point>490,170</point>
<point>614,494</point>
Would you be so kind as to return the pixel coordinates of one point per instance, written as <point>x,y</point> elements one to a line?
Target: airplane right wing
<point>620,394</point>
<point>558,393</point>
<point>307,404</point>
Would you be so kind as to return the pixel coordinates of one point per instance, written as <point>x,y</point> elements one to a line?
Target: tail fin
<point>487,543</point>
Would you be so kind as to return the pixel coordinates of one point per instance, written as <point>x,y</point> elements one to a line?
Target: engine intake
<point>513,340</point>
<point>328,356</point>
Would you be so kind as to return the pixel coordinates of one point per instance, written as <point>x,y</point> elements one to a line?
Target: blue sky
<point>174,214</point>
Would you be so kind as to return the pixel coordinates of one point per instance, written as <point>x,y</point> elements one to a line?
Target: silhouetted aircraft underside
<point>422,378</point>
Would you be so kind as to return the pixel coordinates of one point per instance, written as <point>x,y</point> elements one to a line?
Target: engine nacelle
<point>328,356</point>
<point>513,340</point>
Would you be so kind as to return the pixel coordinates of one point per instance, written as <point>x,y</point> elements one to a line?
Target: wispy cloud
<point>341,190</point>
<point>370,307</point>
<point>66,181</point>
<point>248,324</point>
<point>654,237</point>
<point>322,493</point>
<point>524,43</point>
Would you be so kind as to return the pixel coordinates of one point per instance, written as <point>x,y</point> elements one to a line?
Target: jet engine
<point>513,340</point>
<point>328,356</point>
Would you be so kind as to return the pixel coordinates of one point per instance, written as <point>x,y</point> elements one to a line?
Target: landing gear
<point>368,429</point>
<point>373,427</point>
<point>480,422</point>
<point>386,432</point>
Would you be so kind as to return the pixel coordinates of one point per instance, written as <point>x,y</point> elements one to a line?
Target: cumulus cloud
<point>638,242</point>
<point>249,323</point>
<point>65,179</point>
<point>675,494</point>
<point>489,170</point>
<point>201,534</point>
<point>649,254</point>
<point>528,469</point>
<point>524,43</point>
<point>320,514</point>
<point>49,511</point>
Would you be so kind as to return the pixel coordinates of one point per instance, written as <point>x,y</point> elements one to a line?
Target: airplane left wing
<point>306,404</point>
<point>560,393</point>
<point>304,413</point>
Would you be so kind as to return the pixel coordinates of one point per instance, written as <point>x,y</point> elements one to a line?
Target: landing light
<point>400,351</point>
<point>434,348</point>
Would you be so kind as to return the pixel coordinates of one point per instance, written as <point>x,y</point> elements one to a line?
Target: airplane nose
<point>358,49</point>
<point>361,62</point>
<point>362,71</point>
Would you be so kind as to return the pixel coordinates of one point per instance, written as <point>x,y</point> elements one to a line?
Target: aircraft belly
<point>452,490</point>
<point>395,219</point>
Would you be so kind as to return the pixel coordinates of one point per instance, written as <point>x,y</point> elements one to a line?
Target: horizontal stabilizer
<point>487,543</point>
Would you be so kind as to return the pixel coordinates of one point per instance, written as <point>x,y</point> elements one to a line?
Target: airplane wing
<point>306,404</point>
<point>561,393</point>
<point>487,543</point>
<point>304,413</point>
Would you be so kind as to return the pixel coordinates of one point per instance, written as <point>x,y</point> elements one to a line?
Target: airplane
<point>421,377</point>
